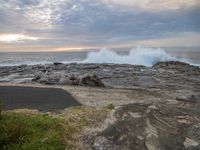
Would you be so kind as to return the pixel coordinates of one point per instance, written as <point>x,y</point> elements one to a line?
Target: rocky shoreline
<point>173,75</point>
<point>157,107</point>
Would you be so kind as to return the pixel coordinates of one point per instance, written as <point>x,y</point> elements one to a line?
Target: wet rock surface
<point>162,110</point>
<point>173,75</point>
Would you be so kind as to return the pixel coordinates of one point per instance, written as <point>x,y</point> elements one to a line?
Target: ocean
<point>137,56</point>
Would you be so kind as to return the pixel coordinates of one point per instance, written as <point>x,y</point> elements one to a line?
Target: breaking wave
<point>136,56</point>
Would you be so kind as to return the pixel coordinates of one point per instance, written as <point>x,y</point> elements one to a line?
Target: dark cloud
<point>89,22</point>
<point>104,23</point>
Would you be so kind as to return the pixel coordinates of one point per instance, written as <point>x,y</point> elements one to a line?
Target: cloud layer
<point>156,5</point>
<point>96,23</point>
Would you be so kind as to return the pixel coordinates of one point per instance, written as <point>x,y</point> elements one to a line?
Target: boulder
<point>47,78</point>
<point>65,80</point>
<point>57,63</point>
<point>37,76</point>
<point>53,78</point>
<point>74,79</point>
<point>91,80</point>
<point>43,79</point>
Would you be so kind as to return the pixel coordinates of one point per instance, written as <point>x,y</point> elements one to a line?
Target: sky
<point>45,25</point>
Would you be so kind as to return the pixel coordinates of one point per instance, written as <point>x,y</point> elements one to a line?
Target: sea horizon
<point>186,54</point>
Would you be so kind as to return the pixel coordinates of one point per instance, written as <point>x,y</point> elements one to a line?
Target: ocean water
<point>32,58</point>
<point>137,56</point>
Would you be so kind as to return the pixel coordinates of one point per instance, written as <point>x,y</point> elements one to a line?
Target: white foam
<point>136,56</point>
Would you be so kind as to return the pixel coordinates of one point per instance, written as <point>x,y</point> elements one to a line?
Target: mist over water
<point>136,56</point>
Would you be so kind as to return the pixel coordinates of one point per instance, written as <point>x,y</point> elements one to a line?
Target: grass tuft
<point>22,132</point>
<point>28,131</point>
<point>110,106</point>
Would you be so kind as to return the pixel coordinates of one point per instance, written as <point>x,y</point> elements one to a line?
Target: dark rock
<point>72,77</point>
<point>163,75</point>
<point>177,66</point>
<point>22,66</point>
<point>170,64</point>
<point>91,80</point>
<point>172,124</point>
<point>75,82</point>
<point>57,63</point>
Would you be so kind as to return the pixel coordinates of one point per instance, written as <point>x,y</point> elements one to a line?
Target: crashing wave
<point>136,56</point>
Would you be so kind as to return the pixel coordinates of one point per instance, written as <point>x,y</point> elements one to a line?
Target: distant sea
<point>32,58</point>
<point>138,56</point>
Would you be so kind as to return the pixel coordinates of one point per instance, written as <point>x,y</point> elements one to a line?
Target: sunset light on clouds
<point>64,24</point>
<point>15,38</point>
<point>130,69</point>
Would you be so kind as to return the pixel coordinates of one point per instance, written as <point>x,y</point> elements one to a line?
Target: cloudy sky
<point>37,25</point>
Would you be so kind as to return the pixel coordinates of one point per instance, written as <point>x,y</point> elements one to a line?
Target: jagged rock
<point>170,64</point>
<point>167,115</point>
<point>43,78</point>
<point>163,75</point>
<point>65,80</point>
<point>72,77</point>
<point>91,80</point>
<point>38,76</point>
<point>57,63</point>
<point>47,78</point>
<point>176,65</point>
<point>52,78</point>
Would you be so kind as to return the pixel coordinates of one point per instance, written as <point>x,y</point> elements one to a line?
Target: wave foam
<point>136,56</point>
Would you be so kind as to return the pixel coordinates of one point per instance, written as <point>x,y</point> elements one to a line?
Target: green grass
<point>22,132</point>
<point>26,131</point>
<point>110,106</point>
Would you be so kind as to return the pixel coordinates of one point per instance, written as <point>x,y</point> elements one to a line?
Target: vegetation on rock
<point>24,131</point>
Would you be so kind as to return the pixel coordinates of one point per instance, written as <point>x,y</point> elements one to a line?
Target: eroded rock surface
<point>162,110</point>
<point>150,127</point>
<point>173,75</point>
